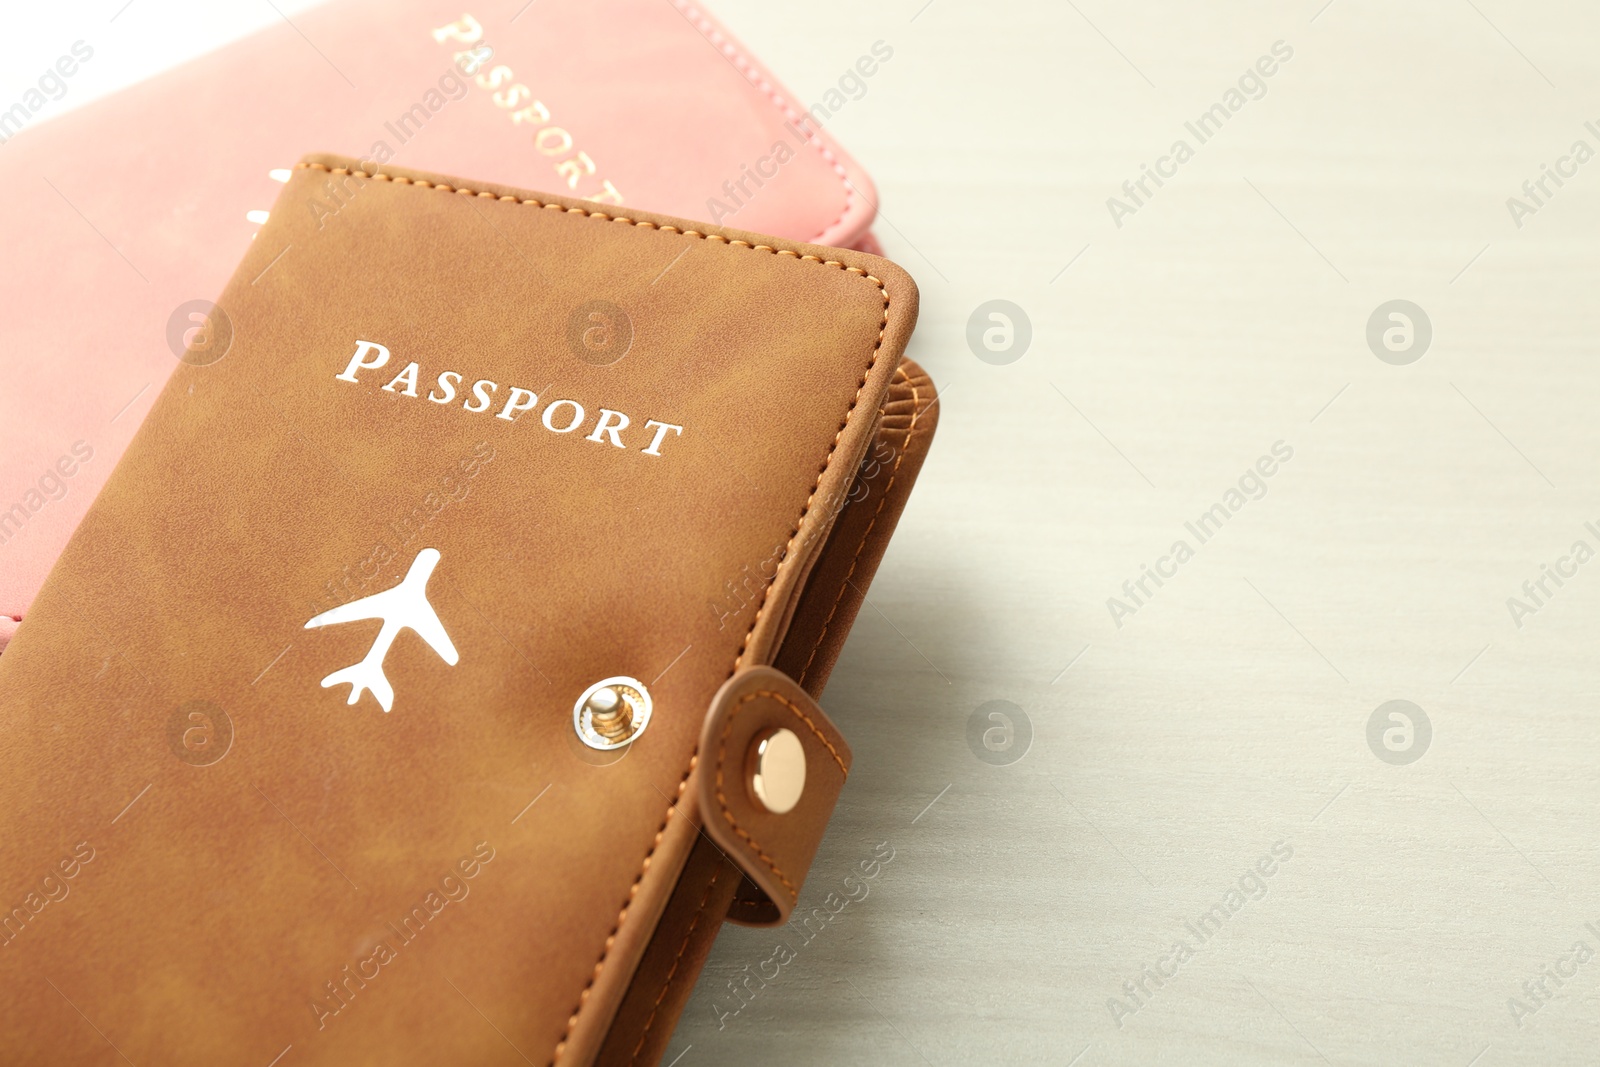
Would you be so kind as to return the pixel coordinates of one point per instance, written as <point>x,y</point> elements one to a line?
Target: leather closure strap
<point>773,850</point>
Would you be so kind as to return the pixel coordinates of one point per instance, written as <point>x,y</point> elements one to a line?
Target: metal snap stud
<point>777,769</point>
<point>612,713</point>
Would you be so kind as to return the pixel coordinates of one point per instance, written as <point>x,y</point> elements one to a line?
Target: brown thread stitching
<point>676,960</point>
<point>722,753</point>
<point>786,702</point>
<point>633,891</point>
<point>641,223</point>
<point>911,432</point>
<point>883,327</point>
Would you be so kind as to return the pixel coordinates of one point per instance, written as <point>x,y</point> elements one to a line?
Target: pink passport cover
<point>115,215</point>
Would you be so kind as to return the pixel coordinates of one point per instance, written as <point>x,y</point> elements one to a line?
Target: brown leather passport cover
<point>592,442</point>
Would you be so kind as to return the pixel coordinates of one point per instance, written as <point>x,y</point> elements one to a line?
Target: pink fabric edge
<point>860,195</point>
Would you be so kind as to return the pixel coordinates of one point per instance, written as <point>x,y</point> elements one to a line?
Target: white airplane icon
<point>405,606</point>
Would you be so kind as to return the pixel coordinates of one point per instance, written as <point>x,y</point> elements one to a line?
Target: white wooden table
<point>1230,711</point>
<point>1227,716</point>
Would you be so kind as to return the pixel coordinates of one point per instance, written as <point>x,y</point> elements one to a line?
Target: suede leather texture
<point>711,886</point>
<point>227,900</point>
<point>774,850</point>
<point>91,193</point>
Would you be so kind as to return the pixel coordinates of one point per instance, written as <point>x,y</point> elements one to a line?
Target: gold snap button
<point>612,713</point>
<point>777,767</point>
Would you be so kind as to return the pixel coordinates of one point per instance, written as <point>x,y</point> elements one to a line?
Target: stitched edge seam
<point>883,327</point>
<point>722,753</point>
<point>723,44</point>
<point>655,1008</point>
<point>866,535</point>
<point>644,224</point>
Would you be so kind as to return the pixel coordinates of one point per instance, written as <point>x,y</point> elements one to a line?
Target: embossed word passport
<point>636,103</point>
<point>437,669</point>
